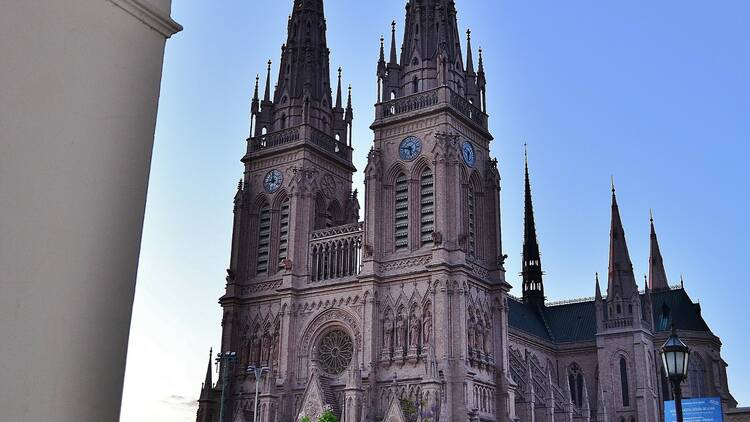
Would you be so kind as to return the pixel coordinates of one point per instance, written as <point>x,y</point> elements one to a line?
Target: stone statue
<point>388,333</point>
<point>415,324</point>
<point>400,332</point>
<point>426,328</point>
<point>255,350</point>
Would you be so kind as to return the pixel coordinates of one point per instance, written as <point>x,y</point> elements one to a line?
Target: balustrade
<point>336,252</point>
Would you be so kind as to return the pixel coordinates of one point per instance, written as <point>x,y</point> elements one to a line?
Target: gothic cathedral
<point>406,315</point>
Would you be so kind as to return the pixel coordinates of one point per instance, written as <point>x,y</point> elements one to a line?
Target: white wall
<point>79,86</point>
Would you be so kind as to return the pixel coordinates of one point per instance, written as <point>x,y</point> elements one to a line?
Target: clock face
<point>470,157</point>
<point>410,148</point>
<point>273,180</point>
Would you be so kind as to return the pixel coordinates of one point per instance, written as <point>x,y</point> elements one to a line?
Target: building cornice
<point>153,17</point>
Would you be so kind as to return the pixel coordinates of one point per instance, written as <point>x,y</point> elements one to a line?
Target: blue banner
<point>707,409</point>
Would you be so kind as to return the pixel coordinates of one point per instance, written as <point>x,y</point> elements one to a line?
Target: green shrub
<point>327,416</point>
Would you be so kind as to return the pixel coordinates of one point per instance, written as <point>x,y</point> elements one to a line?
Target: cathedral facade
<point>405,314</point>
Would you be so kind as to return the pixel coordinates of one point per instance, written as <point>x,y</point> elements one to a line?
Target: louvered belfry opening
<point>283,231</point>
<point>472,223</point>
<point>402,213</point>
<point>427,207</point>
<point>264,239</point>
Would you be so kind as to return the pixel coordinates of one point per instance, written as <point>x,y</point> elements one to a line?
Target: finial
<point>612,181</point>
<point>349,98</point>
<point>468,34</point>
<point>645,281</point>
<point>651,215</point>
<point>339,72</point>
<point>682,282</point>
<point>269,64</point>
<point>393,26</point>
<point>255,91</point>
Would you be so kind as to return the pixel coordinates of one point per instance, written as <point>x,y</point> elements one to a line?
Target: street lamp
<point>224,359</point>
<point>675,355</point>
<point>258,372</point>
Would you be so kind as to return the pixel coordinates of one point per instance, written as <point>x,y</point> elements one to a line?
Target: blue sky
<point>654,93</point>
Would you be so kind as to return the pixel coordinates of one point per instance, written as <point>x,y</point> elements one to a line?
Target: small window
<point>283,232</point>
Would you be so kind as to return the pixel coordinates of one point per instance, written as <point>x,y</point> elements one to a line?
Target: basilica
<point>400,310</point>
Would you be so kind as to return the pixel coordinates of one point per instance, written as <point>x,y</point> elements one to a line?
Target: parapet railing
<point>336,252</point>
<point>430,98</point>
<point>304,133</point>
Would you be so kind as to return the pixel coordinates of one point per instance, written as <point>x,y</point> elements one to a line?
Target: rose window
<point>335,351</point>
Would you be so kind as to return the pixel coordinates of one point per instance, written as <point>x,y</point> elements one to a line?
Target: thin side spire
<point>394,59</point>
<point>349,99</point>
<point>469,57</point>
<point>621,282</point>
<point>656,274</point>
<point>338,91</point>
<point>267,94</point>
<point>382,49</point>
<point>208,382</point>
<point>533,285</point>
<point>598,294</point>
<point>255,91</point>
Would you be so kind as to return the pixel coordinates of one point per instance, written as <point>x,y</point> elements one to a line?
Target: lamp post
<point>224,359</point>
<point>675,355</point>
<point>258,372</point>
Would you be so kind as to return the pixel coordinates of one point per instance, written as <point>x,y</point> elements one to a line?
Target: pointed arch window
<point>696,376</point>
<point>283,231</point>
<point>264,239</point>
<point>471,205</point>
<point>575,381</point>
<point>624,382</point>
<point>426,207</point>
<point>401,237</point>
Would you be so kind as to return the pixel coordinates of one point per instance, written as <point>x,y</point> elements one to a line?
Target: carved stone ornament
<point>437,238</point>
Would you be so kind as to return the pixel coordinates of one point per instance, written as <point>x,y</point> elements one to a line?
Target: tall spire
<point>338,91</point>
<point>533,285</point>
<point>208,382</point>
<point>621,278</point>
<point>267,94</point>
<point>469,57</point>
<point>598,292</point>
<point>393,60</point>
<point>304,69</point>
<point>656,274</point>
<point>431,27</point>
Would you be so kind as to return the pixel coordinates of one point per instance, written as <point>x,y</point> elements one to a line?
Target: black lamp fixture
<point>675,356</point>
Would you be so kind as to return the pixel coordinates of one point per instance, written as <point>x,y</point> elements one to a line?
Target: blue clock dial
<point>273,180</point>
<point>470,157</point>
<point>410,148</point>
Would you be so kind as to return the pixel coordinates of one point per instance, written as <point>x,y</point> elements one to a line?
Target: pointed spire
<point>338,91</point>
<point>621,281</point>
<point>349,98</point>
<point>469,57</point>
<point>382,50</point>
<point>533,285</point>
<point>656,274</point>
<point>393,60</point>
<point>267,94</point>
<point>208,382</point>
<point>481,62</point>
<point>255,91</point>
<point>598,288</point>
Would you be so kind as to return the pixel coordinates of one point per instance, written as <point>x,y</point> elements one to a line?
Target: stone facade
<point>405,315</point>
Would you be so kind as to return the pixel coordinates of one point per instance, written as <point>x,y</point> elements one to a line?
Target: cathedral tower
<point>533,285</point>
<point>433,256</point>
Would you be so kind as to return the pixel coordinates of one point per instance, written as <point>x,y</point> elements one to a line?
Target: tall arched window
<point>415,85</point>
<point>401,237</point>
<point>472,221</point>
<point>283,231</point>
<point>575,381</point>
<point>696,376</point>
<point>264,238</point>
<point>426,207</point>
<point>624,382</point>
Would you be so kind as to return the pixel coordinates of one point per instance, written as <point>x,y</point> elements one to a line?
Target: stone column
<point>80,88</point>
